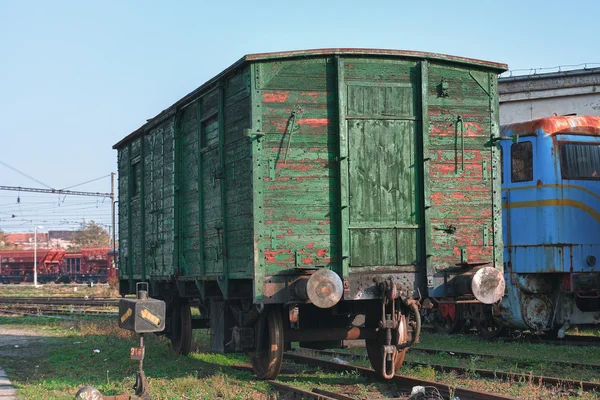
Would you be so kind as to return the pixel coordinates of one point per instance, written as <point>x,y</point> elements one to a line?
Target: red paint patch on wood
<point>307,260</point>
<point>283,187</point>
<point>322,252</point>
<point>294,166</point>
<point>270,255</point>
<point>277,97</point>
<point>311,245</point>
<point>313,122</point>
<point>313,95</point>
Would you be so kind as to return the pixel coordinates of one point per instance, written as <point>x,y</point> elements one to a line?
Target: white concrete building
<point>527,97</point>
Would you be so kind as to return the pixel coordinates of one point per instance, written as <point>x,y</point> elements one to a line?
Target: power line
<point>24,174</point>
<point>90,181</point>
<point>56,191</point>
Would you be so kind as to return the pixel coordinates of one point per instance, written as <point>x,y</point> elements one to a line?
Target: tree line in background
<point>90,234</point>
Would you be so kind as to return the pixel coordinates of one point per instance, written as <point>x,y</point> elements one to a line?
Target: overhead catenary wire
<point>86,182</point>
<point>24,174</point>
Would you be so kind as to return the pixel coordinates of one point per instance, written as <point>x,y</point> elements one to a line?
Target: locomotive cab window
<point>580,161</point>
<point>521,162</point>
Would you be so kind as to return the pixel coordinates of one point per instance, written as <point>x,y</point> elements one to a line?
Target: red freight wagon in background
<point>17,265</point>
<point>56,265</point>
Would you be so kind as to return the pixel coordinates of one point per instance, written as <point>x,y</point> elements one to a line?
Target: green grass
<point>69,363</point>
<point>66,362</point>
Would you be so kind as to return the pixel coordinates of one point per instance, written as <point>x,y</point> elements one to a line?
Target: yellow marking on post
<point>148,316</point>
<point>126,315</point>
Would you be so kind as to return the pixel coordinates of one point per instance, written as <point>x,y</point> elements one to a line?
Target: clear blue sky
<point>77,76</point>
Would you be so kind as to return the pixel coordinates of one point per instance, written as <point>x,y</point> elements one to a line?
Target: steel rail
<point>305,394</point>
<point>569,340</point>
<point>510,376</point>
<point>486,373</point>
<point>403,381</point>
<point>54,310</point>
<point>316,393</point>
<point>59,301</point>
<point>465,354</point>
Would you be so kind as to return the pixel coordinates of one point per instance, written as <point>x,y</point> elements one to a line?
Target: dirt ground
<point>22,343</point>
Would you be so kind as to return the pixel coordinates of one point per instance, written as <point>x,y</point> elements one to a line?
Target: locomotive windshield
<point>580,161</point>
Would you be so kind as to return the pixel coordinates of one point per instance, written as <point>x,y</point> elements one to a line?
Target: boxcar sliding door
<point>381,127</point>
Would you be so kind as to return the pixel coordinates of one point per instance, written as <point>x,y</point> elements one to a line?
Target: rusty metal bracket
<point>443,88</point>
<point>461,122</point>
<point>291,128</point>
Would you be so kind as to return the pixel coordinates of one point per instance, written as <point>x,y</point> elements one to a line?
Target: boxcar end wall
<point>345,161</point>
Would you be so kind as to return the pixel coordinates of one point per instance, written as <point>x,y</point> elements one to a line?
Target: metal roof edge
<point>551,75</point>
<point>374,52</point>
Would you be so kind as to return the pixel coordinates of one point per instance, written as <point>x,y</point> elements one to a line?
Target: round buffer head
<point>324,288</point>
<point>488,285</point>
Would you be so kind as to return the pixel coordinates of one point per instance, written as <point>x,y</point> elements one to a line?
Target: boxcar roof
<point>581,125</point>
<point>249,58</point>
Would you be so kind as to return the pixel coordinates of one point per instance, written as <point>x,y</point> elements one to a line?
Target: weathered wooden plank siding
<point>135,207</point>
<point>460,168</point>
<point>189,261</point>
<point>205,227</point>
<point>238,175</point>
<point>299,119</point>
<point>123,188</point>
<point>385,217</point>
<point>158,204</point>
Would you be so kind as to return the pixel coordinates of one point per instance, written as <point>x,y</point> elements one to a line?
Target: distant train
<point>551,229</point>
<point>96,265</point>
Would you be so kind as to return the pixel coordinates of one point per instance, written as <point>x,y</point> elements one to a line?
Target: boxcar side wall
<point>146,205</point>
<point>185,192</point>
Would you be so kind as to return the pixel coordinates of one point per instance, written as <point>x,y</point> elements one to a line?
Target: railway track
<point>484,373</point>
<point>59,305</point>
<point>569,340</point>
<point>60,301</point>
<point>404,382</point>
<point>521,361</point>
<point>434,390</point>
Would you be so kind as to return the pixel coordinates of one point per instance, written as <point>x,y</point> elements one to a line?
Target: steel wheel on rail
<point>267,359</point>
<point>374,350</point>
<point>181,328</point>
<point>489,329</point>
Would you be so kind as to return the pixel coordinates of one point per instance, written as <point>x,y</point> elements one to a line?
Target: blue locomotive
<point>551,232</point>
<point>551,223</point>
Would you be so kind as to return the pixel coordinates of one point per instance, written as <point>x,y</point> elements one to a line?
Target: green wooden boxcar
<point>297,190</point>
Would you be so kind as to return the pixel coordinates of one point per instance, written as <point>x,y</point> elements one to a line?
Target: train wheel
<point>488,329</point>
<point>374,350</point>
<point>376,356</point>
<point>447,318</point>
<point>181,339</point>
<point>266,361</point>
